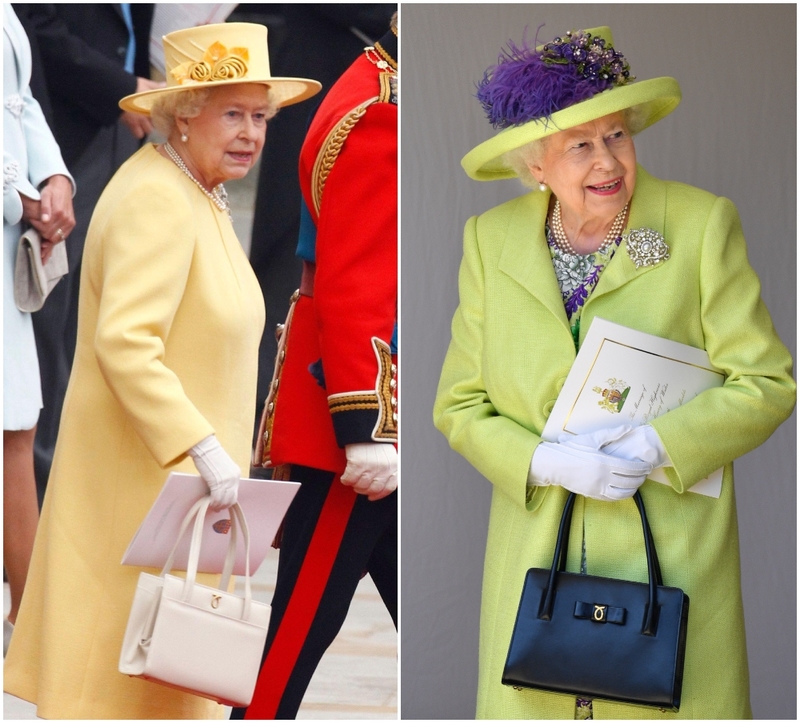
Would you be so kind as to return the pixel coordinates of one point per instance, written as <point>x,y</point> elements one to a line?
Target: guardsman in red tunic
<point>330,421</point>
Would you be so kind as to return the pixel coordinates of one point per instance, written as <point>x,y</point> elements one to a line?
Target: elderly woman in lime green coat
<point>513,342</point>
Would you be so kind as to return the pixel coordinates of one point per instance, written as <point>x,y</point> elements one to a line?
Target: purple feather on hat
<point>527,84</point>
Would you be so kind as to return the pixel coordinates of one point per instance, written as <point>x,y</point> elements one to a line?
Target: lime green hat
<point>574,79</point>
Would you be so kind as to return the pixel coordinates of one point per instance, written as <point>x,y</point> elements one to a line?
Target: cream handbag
<point>196,638</point>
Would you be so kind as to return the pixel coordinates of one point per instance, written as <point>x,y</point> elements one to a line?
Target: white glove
<point>642,443</point>
<point>218,471</point>
<point>587,472</point>
<point>371,469</point>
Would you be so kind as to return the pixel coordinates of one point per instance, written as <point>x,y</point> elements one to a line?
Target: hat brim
<point>287,91</point>
<point>657,98</point>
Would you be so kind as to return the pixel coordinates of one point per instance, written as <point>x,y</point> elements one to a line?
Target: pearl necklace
<point>560,236</point>
<point>219,195</point>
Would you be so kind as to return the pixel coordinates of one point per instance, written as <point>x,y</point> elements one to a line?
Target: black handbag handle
<point>560,561</point>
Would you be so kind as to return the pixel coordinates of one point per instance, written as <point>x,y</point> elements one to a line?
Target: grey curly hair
<point>189,104</point>
<point>521,159</point>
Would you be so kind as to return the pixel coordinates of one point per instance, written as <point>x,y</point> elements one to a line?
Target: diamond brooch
<point>646,247</point>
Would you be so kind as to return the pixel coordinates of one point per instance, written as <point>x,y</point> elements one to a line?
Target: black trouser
<point>368,545</point>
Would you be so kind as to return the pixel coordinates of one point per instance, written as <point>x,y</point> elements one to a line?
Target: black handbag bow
<point>600,637</point>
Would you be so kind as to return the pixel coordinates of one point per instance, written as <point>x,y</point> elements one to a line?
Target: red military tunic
<point>343,325</point>
<point>335,380</point>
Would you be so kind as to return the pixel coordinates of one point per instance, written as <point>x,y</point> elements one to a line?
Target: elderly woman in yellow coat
<point>171,316</point>
<point>536,271</point>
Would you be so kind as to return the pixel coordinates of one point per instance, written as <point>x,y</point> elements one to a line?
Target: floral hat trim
<point>207,56</point>
<point>218,63</point>
<point>529,84</point>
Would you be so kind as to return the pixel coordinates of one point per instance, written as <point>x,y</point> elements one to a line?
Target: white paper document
<point>624,376</point>
<point>264,503</point>
<point>169,17</point>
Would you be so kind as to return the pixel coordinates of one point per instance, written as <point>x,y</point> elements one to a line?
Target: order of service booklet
<point>264,503</point>
<point>624,376</point>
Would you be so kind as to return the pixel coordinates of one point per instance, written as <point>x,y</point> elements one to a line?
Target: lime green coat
<point>169,325</point>
<point>510,353</point>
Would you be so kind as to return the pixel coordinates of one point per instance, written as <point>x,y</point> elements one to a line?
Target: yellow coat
<point>509,356</point>
<point>170,320</point>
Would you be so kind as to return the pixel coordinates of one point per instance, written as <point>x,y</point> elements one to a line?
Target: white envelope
<point>264,503</point>
<point>624,376</point>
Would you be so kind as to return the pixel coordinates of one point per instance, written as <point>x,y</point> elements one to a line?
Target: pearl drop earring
<point>184,137</point>
<point>543,187</point>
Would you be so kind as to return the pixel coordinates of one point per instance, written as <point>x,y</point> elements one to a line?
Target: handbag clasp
<point>599,614</point>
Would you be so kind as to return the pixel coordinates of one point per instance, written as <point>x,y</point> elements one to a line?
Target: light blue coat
<point>30,156</point>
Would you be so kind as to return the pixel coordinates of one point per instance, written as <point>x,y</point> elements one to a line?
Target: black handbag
<point>598,637</point>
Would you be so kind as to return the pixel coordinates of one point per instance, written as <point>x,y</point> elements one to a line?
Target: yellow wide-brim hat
<point>222,54</point>
<point>656,98</point>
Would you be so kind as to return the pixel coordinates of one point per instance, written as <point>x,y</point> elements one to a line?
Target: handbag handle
<point>198,512</point>
<point>191,515</point>
<point>560,560</point>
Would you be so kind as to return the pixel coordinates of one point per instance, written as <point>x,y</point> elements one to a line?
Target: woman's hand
<point>52,216</point>
<point>218,471</point>
<point>633,443</point>
<point>371,469</point>
<point>587,472</point>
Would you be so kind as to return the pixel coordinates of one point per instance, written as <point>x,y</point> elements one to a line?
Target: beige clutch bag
<point>33,280</point>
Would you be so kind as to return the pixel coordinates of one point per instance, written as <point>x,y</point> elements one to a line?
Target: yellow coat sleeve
<point>759,392</point>
<point>147,247</point>
<point>497,446</point>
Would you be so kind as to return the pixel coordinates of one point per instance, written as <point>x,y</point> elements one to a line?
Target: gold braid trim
<point>261,453</point>
<point>388,83</point>
<point>388,58</point>
<point>331,148</point>
<point>383,400</point>
<point>348,402</point>
<point>386,388</point>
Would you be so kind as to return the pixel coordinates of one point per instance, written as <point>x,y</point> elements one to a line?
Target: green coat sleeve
<point>497,446</point>
<point>759,392</point>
